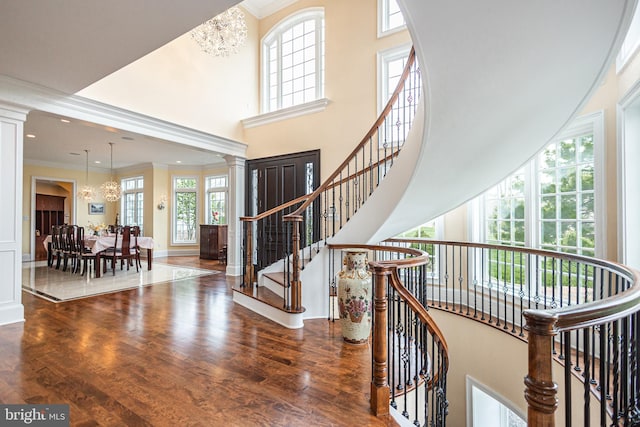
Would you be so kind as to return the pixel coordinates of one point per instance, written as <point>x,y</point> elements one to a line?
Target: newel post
<point>249,274</point>
<point>540,390</point>
<point>296,285</point>
<point>380,393</point>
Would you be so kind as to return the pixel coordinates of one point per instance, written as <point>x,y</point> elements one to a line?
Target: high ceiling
<point>68,45</point>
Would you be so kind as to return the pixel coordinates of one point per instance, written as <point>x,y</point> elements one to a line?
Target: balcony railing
<point>580,312</point>
<point>410,358</point>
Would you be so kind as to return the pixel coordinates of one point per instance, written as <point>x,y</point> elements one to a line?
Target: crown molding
<point>286,113</point>
<point>34,97</point>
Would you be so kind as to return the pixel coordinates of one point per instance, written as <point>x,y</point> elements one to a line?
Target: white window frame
<point>317,14</point>
<point>384,14</point>
<point>209,190</point>
<point>631,43</point>
<point>123,205</point>
<point>591,123</point>
<point>174,191</point>
<point>384,58</point>
<point>501,403</point>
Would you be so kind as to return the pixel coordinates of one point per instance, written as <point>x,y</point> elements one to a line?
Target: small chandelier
<point>87,193</point>
<point>223,34</point>
<point>111,190</point>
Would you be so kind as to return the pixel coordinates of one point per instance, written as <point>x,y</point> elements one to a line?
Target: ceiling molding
<point>34,97</point>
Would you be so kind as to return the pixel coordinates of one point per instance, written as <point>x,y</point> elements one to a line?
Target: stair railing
<point>580,312</point>
<point>410,357</point>
<point>311,219</point>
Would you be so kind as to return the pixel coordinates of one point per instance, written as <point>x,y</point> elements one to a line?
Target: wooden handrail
<point>274,210</point>
<point>372,131</point>
<point>383,269</point>
<point>306,196</point>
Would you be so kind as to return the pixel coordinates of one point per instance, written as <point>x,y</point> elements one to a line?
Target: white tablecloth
<point>100,243</point>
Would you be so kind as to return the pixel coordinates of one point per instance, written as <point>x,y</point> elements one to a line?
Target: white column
<point>11,127</point>
<point>236,210</point>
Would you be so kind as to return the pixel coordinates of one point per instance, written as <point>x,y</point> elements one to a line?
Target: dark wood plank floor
<point>182,354</point>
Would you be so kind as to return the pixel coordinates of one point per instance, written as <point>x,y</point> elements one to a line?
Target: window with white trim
<point>554,202</point>
<point>391,64</point>
<point>293,61</point>
<point>217,191</point>
<point>185,210</point>
<point>390,18</point>
<point>631,42</point>
<point>133,201</point>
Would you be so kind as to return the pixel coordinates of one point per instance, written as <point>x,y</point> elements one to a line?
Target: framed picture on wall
<point>96,208</point>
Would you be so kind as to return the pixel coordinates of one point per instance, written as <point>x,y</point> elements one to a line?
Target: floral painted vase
<point>354,296</point>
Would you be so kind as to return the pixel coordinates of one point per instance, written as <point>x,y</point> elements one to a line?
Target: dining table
<point>98,243</point>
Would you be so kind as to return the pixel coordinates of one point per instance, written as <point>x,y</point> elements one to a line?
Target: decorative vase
<point>354,296</point>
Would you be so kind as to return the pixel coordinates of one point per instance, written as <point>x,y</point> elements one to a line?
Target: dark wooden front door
<point>273,181</point>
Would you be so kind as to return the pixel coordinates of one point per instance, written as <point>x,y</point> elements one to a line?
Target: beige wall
<point>79,215</point>
<point>351,46</point>
<point>158,183</point>
<point>181,84</point>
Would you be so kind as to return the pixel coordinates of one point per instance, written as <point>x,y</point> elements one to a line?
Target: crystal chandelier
<point>87,193</point>
<point>111,190</point>
<point>223,34</point>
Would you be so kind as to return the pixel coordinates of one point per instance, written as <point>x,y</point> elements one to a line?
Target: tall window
<point>566,196</point>
<point>504,207</point>
<point>391,64</point>
<point>293,61</point>
<point>185,209</point>
<point>216,187</point>
<point>390,17</point>
<point>132,201</point>
<point>553,202</point>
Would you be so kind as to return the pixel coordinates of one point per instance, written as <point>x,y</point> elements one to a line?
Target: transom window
<point>185,209</point>
<point>133,201</point>
<point>293,61</point>
<point>217,189</point>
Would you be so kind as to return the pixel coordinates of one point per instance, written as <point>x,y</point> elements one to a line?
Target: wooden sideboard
<point>213,241</point>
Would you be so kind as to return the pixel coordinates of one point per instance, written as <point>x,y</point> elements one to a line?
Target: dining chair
<point>122,253</point>
<point>55,254</point>
<point>86,256</point>
<point>69,247</point>
<point>135,248</point>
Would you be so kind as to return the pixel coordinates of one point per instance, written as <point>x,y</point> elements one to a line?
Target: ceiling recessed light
<point>178,161</point>
<point>65,121</point>
<point>97,162</point>
<point>30,135</point>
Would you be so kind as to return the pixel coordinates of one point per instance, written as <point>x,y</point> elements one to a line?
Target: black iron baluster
<point>587,382</point>
<point>567,379</point>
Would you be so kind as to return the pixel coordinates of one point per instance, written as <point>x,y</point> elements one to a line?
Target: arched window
<point>293,61</point>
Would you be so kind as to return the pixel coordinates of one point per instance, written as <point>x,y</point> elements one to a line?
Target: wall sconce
<point>163,202</point>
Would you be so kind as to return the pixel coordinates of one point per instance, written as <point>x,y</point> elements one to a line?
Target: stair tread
<point>278,277</point>
<point>266,296</point>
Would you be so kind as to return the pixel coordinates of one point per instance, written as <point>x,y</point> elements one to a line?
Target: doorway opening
<point>52,203</point>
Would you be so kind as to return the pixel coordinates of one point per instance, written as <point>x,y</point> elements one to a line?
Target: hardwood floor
<point>182,354</point>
